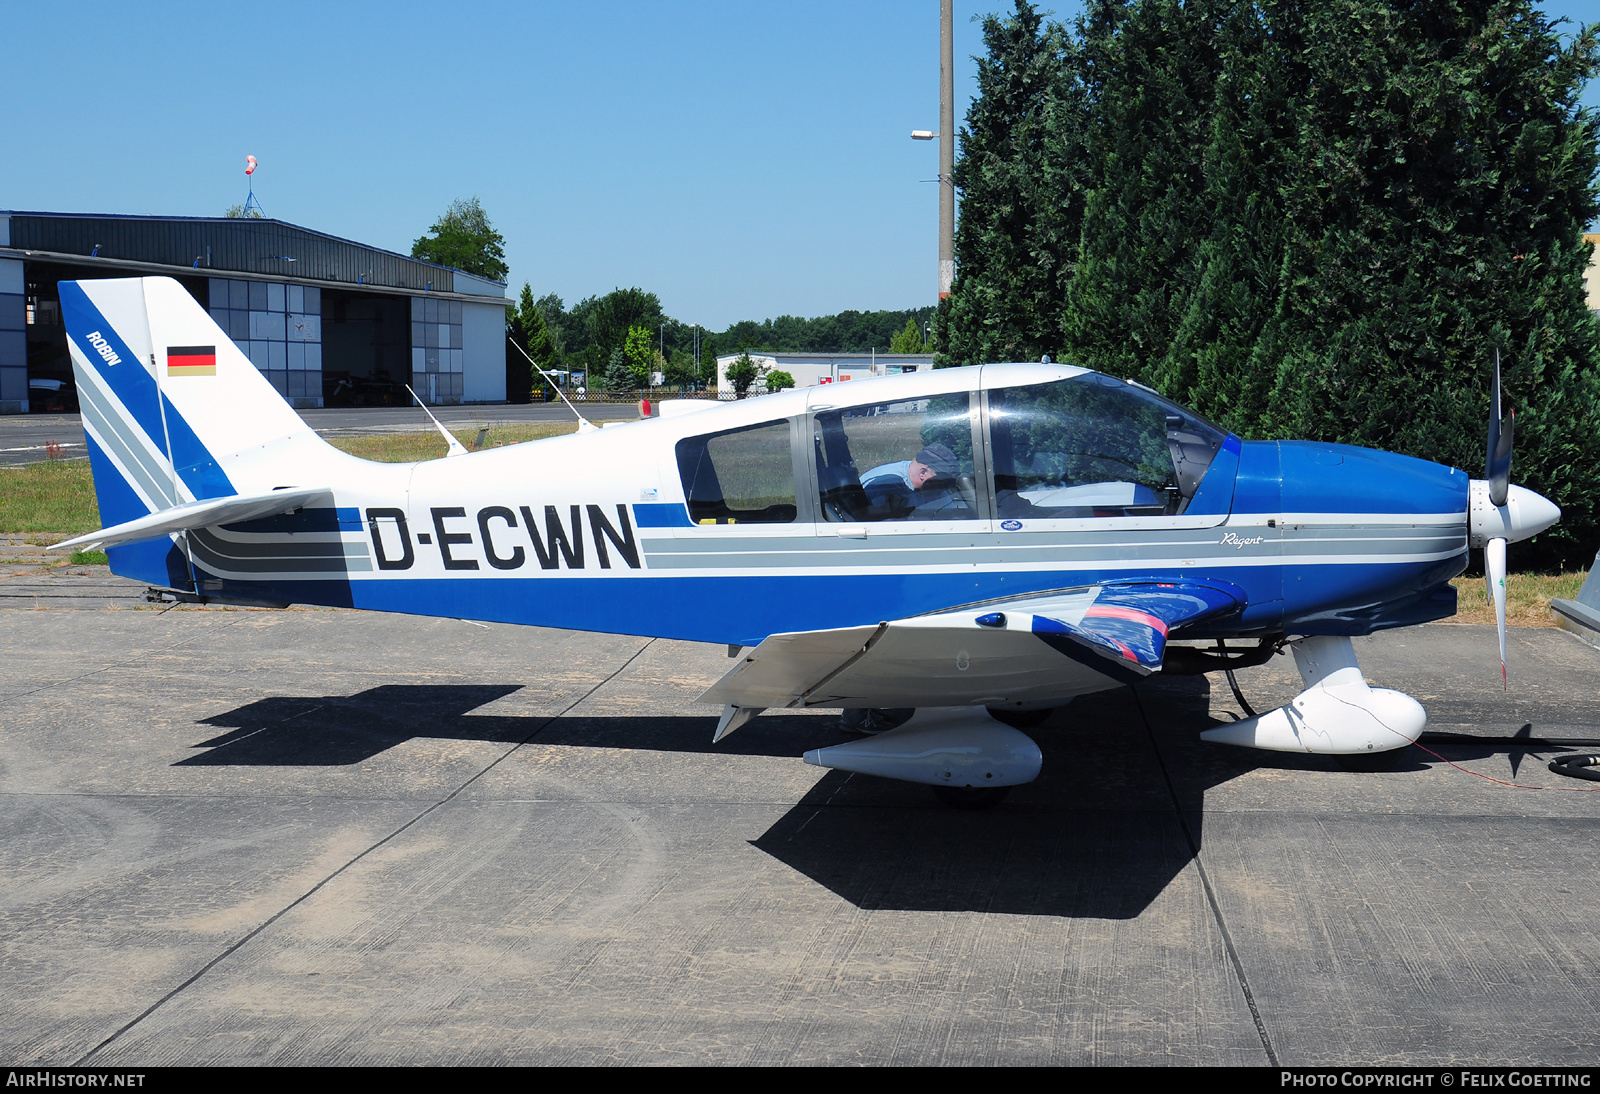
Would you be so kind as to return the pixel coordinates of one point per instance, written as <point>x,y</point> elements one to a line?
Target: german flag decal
<point>191,360</point>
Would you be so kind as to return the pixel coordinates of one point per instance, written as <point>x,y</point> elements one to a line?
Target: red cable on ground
<point>1502,782</point>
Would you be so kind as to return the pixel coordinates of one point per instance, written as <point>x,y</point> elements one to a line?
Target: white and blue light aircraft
<point>980,544</point>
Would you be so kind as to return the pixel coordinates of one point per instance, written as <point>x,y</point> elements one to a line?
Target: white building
<point>811,369</point>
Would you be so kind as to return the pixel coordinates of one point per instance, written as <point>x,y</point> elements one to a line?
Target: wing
<point>1030,649</point>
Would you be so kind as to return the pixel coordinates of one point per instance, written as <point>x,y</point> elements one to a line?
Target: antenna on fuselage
<point>584,424</point>
<point>456,447</point>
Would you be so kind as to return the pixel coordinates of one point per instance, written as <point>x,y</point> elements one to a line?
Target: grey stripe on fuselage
<point>301,546</point>
<point>983,548</point>
<point>211,551</point>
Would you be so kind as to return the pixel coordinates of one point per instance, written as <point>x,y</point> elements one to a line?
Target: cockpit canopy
<point>1094,446</point>
<point>1081,446</point>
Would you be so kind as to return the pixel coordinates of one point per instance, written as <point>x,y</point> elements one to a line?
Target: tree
<point>464,240</point>
<point>538,343</point>
<point>742,374</point>
<point>680,370</point>
<point>535,332</point>
<point>556,322</point>
<point>846,332</point>
<point>604,321</point>
<point>1021,203</point>
<point>640,352</point>
<point>619,376</point>
<point>237,212</point>
<point>1304,220</point>
<point>706,366</point>
<point>908,339</point>
<point>778,380</point>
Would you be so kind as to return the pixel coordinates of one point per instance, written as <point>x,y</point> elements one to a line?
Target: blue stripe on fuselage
<point>744,610</point>
<point>661,515</point>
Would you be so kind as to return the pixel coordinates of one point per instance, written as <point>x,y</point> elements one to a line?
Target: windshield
<point>1093,446</point>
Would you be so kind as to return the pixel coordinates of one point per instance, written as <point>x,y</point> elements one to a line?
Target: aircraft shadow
<point>1098,835</point>
<point>337,730</point>
<point>1116,815</point>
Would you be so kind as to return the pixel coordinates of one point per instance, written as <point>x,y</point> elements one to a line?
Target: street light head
<point>923,135</point>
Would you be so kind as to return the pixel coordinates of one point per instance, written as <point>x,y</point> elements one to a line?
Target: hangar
<point>328,321</point>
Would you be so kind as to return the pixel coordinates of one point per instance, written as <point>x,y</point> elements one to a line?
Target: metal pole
<point>947,150</point>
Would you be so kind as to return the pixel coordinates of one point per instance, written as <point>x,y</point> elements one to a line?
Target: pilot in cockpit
<point>920,488</point>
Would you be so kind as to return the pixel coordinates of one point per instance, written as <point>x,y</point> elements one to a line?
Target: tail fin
<point>174,413</point>
<point>173,410</point>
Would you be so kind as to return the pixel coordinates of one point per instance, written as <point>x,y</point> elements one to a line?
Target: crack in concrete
<point>234,947</point>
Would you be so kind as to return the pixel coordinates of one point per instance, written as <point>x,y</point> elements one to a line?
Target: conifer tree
<point>1434,210</point>
<point>1304,220</point>
<point>907,340</point>
<point>1018,202</point>
<point>619,375</point>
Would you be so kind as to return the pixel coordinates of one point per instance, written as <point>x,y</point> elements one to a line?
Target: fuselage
<point>764,516</point>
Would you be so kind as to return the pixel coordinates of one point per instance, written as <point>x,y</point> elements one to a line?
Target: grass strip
<point>55,496</point>
<point>1528,598</point>
<point>428,445</point>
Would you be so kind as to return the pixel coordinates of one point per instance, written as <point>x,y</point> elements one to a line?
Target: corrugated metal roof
<point>226,245</point>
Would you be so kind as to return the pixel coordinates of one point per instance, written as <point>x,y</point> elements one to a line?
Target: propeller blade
<point>1494,567</point>
<point>1497,463</point>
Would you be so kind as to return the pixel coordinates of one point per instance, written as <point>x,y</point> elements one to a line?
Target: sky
<point>741,160</point>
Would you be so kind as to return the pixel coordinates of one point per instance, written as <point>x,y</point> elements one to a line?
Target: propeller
<point>1499,513</point>
<point>1497,465</point>
<point>1497,473</point>
<point>1494,567</point>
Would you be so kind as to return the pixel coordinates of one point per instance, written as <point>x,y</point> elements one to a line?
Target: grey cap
<point>940,460</point>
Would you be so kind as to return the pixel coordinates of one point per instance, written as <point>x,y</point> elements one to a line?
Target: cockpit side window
<point>908,460</point>
<point>739,476</point>
<point>1092,446</point>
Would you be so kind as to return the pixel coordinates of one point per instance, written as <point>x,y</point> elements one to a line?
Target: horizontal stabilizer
<point>198,514</point>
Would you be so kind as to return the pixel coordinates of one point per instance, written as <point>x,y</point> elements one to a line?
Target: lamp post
<point>947,149</point>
